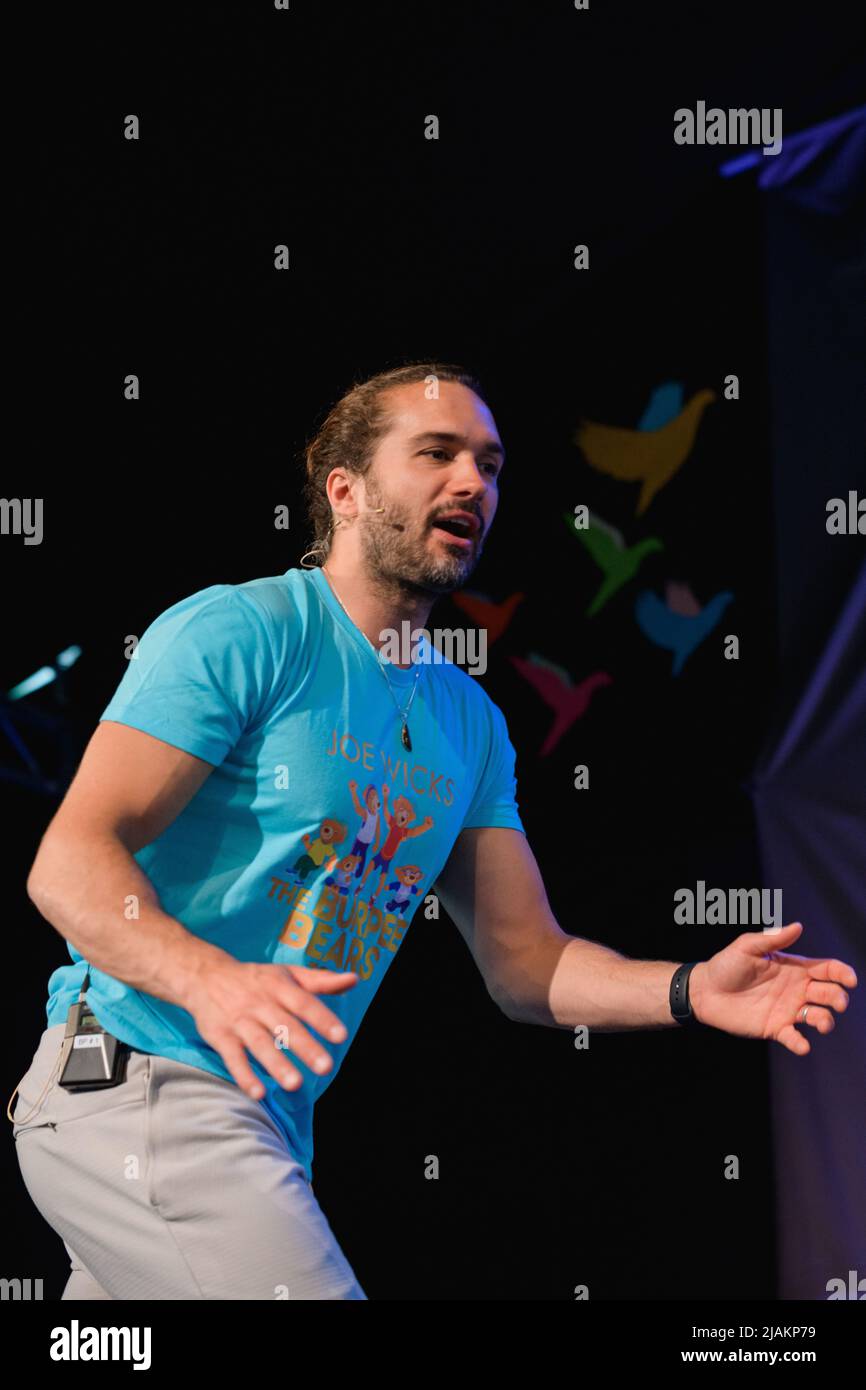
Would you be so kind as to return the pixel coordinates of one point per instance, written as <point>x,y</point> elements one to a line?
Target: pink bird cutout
<point>680,599</point>
<point>557,689</point>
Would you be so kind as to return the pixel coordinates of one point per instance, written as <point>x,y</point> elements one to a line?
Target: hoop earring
<point>320,548</point>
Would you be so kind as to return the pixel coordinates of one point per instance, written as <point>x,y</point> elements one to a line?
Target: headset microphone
<point>398,525</point>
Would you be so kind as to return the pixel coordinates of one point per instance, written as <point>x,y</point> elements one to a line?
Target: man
<point>195,867</point>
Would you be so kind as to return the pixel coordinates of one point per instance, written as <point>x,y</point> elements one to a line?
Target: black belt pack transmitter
<point>94,1059</point>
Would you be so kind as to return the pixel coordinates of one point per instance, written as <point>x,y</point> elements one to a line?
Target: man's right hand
<point>241,1005</point>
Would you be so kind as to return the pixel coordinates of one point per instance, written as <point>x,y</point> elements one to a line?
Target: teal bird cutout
<point>678,622</point>
<point>608,549</point>
<point>665,403</point>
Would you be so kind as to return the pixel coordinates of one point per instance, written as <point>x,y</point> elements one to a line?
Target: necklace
<point>403,715</point>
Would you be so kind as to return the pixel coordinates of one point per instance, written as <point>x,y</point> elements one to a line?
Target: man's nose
<point>467,478</point>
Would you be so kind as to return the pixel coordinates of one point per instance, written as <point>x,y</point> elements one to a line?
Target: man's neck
<point>377,606</point>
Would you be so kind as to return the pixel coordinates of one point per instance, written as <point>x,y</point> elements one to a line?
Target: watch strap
<point>680,1003</point>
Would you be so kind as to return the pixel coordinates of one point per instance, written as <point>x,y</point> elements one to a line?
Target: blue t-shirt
<point>272,683</point>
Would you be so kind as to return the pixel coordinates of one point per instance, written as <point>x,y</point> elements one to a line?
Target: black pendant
<point>404,735</point>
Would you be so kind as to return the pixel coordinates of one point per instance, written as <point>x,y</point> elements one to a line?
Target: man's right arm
<point>128,789</point>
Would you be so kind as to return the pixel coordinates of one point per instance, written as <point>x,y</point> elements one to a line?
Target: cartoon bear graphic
<point>406,884</point>
<point>321,850</point>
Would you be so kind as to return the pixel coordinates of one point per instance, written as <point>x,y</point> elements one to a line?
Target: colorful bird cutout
<point>608,549</point>
<point>678,622</point>
<point>665,402</point>
<point>557,689</point>
<point>483,612</point>
<point>651,456</point>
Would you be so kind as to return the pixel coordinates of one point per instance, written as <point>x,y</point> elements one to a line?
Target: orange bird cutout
<point>651,457</point>
<point>483,612</point>
<point>557,689</point>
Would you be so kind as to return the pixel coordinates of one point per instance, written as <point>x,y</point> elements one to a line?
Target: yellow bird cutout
<point>649,456</point>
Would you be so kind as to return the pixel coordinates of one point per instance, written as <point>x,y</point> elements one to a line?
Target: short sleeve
<point>495,799</point>
<point>202,674</point>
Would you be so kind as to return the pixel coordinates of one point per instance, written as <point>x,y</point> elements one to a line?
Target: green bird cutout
<point>619,563</point>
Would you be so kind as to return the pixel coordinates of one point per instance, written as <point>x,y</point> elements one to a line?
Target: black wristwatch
<point>679,997</point>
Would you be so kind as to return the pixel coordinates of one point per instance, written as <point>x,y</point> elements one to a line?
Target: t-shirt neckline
<point>394,674</point>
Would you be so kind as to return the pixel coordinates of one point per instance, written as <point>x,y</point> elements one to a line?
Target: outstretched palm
<point>754,989</point>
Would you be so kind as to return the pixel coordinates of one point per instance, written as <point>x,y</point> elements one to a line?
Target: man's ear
<point>341,488</point>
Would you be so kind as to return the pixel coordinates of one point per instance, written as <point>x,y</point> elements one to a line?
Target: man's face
<point>439,459</point>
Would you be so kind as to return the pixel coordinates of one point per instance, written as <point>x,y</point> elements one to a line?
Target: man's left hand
<point>756,990</point>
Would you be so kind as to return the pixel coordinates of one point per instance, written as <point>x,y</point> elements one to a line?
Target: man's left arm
<point>492,889</point>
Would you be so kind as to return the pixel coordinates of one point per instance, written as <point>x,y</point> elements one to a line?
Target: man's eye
<point>490,464</point>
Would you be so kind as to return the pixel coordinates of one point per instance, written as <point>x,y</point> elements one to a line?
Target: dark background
<point>558,1167</point>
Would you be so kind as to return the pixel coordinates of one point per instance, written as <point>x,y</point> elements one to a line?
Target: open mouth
<point>460,530</point>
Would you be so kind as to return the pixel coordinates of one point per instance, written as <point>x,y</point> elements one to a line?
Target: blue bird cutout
<point>665,404</point>
<point>678,623</point>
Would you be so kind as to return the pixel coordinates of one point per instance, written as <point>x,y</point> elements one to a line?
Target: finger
<point>297,1000</point>
<point>822,1019</point>
<point>262,1044</point>
<point>323,981</point>
<point>289,1035</point>
<point>829,969</point>
<point>235,1058</point>
<point>793,1041</point>
<point>761,943</point>
<point>832,995</point>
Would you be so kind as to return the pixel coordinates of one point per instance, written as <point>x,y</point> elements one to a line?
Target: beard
<point>396,551</point>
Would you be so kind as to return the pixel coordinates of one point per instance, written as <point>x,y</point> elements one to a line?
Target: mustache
<point>389,519</point>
